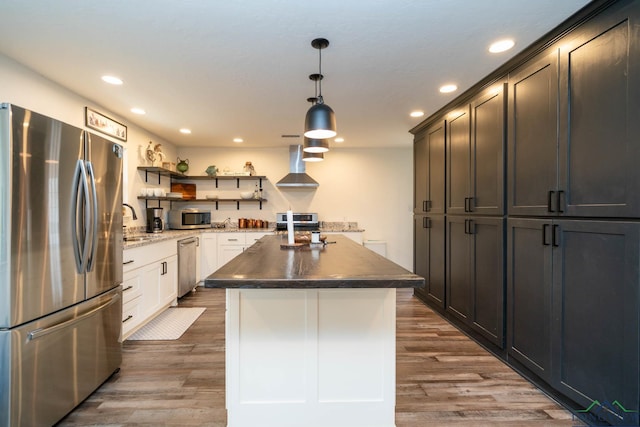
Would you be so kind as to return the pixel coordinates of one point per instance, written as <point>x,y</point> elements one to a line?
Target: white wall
<point>373,187</point>
<point>22,86</point>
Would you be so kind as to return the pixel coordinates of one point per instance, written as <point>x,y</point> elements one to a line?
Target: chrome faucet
<point>133,211</point>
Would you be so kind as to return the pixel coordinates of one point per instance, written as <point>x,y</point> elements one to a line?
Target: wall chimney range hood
<point>296,176</point>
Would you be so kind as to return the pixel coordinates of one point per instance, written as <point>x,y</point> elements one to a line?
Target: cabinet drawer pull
<point>232,240</point>
<point>560,201</point>
<point>555,237</point>
<point>550,201</point>
<point>127,288</point>
<point>131,261</point>
<point>129,317</point>
<point>545,242</point>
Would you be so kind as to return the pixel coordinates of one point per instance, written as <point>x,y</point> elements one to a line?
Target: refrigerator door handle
<point>78,224</point>
<point>35,334</point>
<point>93,235</point>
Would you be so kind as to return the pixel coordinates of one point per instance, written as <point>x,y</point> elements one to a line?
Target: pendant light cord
<point>320,100</point>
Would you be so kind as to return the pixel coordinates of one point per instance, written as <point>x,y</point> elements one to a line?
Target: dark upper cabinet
<point>532,167</point>
<point>599,107</point>
<point>429,257</point>
<point>529,279</point>
<point>458,160</point>
<point>475,273</point>
<point>475,155</point>
<point>573,127</point>
<point>487,152</point>
<point>429,165</point>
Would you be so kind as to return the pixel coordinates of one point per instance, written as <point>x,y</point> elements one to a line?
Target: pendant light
<point>312,157</point>
<point>320,122</point>
<point>315,145</point>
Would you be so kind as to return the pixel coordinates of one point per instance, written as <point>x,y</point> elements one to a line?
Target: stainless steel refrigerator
<point>60,265</point>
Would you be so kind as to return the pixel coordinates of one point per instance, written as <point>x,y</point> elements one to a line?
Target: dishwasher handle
<point>187,242</point>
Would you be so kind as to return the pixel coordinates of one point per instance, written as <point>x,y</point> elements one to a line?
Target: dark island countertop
<point>340,264</point>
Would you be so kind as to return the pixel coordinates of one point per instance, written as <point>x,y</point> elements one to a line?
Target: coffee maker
<point>154,220</point>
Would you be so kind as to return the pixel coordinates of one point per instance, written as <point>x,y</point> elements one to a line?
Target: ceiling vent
<point>297,176</point>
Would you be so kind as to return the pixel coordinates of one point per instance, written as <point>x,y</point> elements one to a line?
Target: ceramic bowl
<point>246,194</point>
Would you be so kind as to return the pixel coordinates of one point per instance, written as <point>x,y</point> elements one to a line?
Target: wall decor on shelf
<point>104,124</point>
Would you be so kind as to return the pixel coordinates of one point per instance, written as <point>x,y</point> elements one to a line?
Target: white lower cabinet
<point>231,245</point>
<point>150,283</point>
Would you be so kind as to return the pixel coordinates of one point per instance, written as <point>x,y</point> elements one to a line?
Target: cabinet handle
<point>555,237</point>
<point>129,317</point>
<point>164,268</point>
<point>131,261</point>
<point>466,209</point>
<point>545,242</point>
<point>127,288</point>
<point>472,229</point>
<point>426,222</point>
<point>550,201</point>
<point>560,201</point>
<point>424,206</point>
<point>232,240</point>
<point>470,204</point>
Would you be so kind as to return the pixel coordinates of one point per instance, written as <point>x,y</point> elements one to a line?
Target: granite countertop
<point>340,264</point>
<point>139,237</point>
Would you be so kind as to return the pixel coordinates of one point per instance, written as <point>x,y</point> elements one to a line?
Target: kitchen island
<point>310,334</point>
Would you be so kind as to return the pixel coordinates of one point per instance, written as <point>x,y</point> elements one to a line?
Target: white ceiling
<point>239,68</point>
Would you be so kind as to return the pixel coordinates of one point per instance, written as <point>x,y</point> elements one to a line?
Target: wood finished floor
<point>443,378</point>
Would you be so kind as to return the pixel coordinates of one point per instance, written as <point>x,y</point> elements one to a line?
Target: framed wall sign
<point>104,124</point>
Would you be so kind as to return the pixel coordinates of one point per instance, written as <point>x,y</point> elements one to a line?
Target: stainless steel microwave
<point>187,219</point>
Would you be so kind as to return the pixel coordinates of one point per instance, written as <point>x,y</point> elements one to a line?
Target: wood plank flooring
<point>443,378</point>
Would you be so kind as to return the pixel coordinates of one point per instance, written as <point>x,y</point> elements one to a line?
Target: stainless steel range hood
<point>297,176</point>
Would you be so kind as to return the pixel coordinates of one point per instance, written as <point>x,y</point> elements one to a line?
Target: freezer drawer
<point>49,366</point>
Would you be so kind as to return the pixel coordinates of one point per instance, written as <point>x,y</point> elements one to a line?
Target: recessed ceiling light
<point>417,113</point>
<point>112,80</point>
<point>185,131</point>
<point>501,46</point>
<point>136,110</point>
<point>448,88</point>
<point>339,140</point>
<point>238,140</point>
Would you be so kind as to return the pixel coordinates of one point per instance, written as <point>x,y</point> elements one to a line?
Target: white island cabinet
<point>310,335</point>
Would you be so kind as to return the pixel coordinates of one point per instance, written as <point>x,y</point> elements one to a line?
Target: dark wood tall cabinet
<point>568,195</point>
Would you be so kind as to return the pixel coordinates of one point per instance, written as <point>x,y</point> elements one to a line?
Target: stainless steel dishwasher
<point>187,265</point>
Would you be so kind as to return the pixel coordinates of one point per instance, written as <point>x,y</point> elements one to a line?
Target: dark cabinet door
<point>429,175</point>
<point>458,272</point>
<point>458,160</point>
<point>420,173</point>
<point>529,299</point>
<point>600,130</point>
<point>532,177</point>
<point>487,275</point>
<point>596,312</point>
<point>487,153</point>
<point>429,255</point>
<point>436,138</point>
